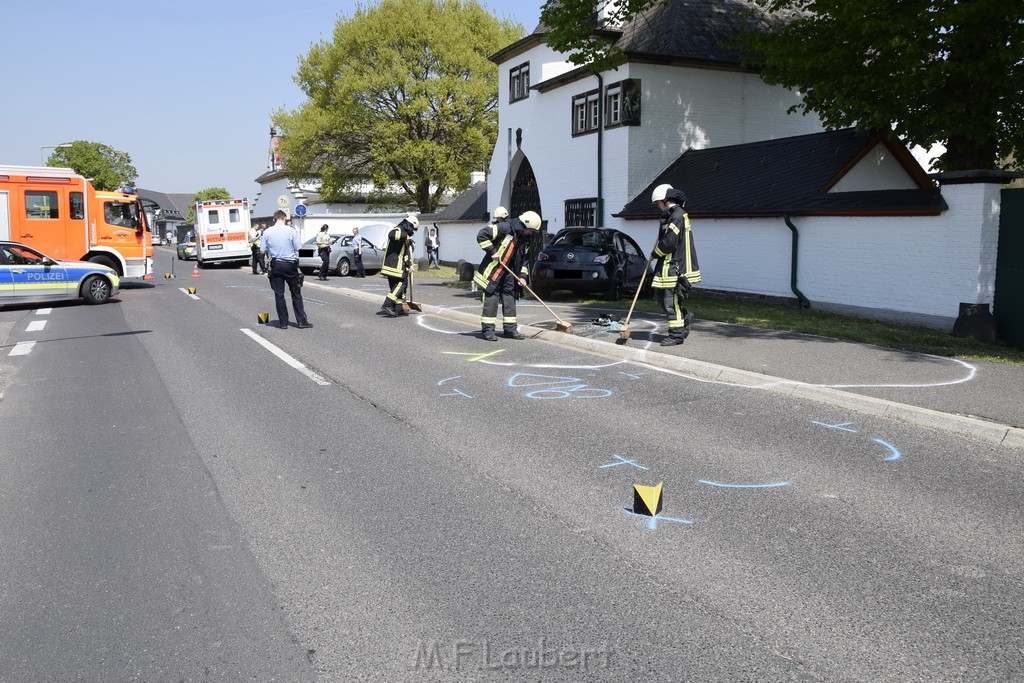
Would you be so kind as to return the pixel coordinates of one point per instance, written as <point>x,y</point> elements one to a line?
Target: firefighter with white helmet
<point>675,258</point>
<point>505,242</point>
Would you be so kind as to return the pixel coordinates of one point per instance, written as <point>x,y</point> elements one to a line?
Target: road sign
<point>300,210</point>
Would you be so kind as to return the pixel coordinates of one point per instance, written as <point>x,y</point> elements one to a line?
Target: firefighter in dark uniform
<point>676,268</point>
<point>504,242</point>
<point>398,265</point>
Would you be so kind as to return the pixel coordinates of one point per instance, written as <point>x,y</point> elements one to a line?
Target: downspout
<point>804,303</point>
<point>599,209</point>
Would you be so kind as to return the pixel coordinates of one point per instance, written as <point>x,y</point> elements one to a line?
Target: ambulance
<point>222,231</point>
<point>60,213</point>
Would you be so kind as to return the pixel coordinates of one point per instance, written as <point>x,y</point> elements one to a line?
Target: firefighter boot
<point>389,308</point>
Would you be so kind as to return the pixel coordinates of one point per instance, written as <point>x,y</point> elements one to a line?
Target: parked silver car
<point>342,258</point>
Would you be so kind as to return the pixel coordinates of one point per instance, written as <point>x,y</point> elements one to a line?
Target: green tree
<point>949,71</point>
<point>106,167</point>
<point>205,195</point>
<point>403,96</point>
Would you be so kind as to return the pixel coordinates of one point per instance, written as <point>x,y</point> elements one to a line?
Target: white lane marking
<point>22,349</point>
<point>185,292</point>
<point>44,311</point>
<point>290,360</point>
<point>36,325</point>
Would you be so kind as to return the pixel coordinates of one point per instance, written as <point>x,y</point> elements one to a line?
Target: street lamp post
<point>42,157</point>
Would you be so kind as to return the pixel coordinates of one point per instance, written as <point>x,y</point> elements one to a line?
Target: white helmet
<point>501,212</point>
<point>531,220</point>
<point>413,220</point>
<point>660,192</point>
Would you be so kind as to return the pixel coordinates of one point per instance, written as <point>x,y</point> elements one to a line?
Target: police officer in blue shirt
<point>281,244</point>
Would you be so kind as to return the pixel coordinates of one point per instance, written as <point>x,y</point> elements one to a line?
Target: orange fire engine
<point>61,214</point>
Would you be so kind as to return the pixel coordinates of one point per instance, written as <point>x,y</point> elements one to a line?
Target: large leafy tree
<point>205,195</point>
<point>403,96</point>
<point>949,71</point>
<point>106,167</point>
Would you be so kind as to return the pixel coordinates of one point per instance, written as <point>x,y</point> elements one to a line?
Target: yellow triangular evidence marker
<point>647,499</point>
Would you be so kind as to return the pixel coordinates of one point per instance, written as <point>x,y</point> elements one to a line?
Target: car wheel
<point>180,257</point>
<point>344,267</point>
<point>96,290</point>
<point>308,271</point>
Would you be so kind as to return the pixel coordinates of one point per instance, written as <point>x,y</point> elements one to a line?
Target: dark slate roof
<point>469,206</point>
<point>787,176</point>
<point>166,203</point>
<point>696,30</point>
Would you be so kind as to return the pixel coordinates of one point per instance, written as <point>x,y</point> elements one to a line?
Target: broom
<point>624,330</point>
<point>560,324</point>
<point>409,303</point>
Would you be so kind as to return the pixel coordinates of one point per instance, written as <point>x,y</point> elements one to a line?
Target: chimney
<point>603,12</point>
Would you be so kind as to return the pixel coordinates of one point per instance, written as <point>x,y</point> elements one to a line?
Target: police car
<point>30,277</point>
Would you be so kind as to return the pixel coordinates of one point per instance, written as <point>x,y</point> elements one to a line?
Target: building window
<point>519,82</point>
<point>580,212</point>
<point>613,105</point>
<point>585,112</point>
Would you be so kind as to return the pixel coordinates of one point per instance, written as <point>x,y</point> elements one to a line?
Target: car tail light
<point>543,256</point>
<point>603,258</point>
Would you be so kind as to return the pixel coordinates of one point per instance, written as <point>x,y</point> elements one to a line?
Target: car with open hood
<point>589,261</point>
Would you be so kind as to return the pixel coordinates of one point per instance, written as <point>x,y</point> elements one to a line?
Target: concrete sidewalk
<point>978,400</point>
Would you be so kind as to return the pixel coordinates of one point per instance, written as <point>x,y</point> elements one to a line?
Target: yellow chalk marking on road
<point>475,356</point>
<point>647,499</point>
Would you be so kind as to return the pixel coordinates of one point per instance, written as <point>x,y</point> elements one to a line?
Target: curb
<point>979,430</point>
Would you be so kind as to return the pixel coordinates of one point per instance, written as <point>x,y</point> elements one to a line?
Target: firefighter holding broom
<point>504,242</point>
<point>398,265</point>
<point>676,267</point>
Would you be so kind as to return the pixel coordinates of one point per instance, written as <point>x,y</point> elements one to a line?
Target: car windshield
<point>581,238</point>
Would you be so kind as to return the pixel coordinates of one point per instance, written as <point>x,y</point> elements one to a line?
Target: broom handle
<point>636,296</point>
<point>531,292</point>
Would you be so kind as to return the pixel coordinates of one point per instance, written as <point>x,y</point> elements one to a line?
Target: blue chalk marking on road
<point>894,453</point>
<point>623,461</point>
<point>841,426</point>
<point>774,484</point>
<point>448,379</point>
<point>652,522</point>
<point>456,392</point>
<point>527,379</point>
<point>634,375</point>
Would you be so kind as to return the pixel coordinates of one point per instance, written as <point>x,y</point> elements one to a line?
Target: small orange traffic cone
<point>195,270</point>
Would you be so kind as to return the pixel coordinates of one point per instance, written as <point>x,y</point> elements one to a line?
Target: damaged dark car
<point>589,261</point>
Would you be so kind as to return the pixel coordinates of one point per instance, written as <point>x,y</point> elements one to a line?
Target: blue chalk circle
<point>894,453</point>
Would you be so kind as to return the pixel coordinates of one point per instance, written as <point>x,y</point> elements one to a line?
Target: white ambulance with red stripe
<point>222,231</point>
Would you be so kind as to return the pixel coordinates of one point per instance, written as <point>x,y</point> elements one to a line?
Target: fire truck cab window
<point>41,204</point>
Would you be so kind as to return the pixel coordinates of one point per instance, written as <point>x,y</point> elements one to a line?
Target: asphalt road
<point>392,500</point>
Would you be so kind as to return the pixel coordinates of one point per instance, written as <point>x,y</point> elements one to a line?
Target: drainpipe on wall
<point>599,209</point>
<point>804,303</point>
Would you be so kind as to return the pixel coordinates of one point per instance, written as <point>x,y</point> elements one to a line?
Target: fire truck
<point>60,213</point>
<point>222,231</point>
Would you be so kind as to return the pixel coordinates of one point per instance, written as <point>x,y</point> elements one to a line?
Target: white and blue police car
<point>30,277</point>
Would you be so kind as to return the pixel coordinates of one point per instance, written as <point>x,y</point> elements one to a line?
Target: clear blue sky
<point>146,77</point>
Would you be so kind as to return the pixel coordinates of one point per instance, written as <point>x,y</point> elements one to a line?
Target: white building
<point>876,235</point>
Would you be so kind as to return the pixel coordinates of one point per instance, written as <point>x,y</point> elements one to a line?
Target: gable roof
<point>167,203</point>
<point>469,206</point>
<point>788,176</point>
<point>696,30</point>
<point>690,31</point>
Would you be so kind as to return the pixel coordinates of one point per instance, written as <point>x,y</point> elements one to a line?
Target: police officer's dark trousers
<point>325,259</point>
<point>358,258</point>
<point>287,273</point>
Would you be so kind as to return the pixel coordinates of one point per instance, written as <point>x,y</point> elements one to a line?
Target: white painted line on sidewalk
<point>22,349</point>
<point>44,311</point>
<point>298,365</point>
<point>185,292</point>
<point>36,325</point>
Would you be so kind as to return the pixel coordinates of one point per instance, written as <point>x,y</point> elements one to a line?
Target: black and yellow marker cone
<point>647,499</point>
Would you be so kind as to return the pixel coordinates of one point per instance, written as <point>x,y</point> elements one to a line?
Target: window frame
<point>585,112</point>
<point>519,82</point>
